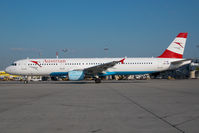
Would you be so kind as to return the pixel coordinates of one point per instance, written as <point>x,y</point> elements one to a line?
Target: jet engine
<point>76,75</point>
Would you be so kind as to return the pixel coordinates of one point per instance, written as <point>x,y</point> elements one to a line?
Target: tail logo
<point>179,44</point>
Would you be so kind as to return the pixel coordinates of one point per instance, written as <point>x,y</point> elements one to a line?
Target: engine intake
<point>76,75</point>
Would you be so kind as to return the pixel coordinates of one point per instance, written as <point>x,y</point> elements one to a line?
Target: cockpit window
<point>14,64</point>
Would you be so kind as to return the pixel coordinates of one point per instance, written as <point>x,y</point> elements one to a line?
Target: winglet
<point>122,61</point>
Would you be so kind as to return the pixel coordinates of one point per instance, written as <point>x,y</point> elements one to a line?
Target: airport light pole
<point>106,51</point>
<point>39,54</point>
<point>64,50</point>
<point>197,46</point>
<point>57,54</point>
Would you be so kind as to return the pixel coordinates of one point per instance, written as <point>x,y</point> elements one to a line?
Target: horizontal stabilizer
<point>180,61</point>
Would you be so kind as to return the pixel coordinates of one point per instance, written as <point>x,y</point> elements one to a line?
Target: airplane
<point>6,76</point>
<point>81,68</point>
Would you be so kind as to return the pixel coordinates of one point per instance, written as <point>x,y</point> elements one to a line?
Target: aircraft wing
<point>94,70</point>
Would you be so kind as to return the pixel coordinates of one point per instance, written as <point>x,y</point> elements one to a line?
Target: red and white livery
<point>79,68</point>
<point>176,48</point>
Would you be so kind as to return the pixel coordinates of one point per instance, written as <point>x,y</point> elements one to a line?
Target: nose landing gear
<point>27,79</point>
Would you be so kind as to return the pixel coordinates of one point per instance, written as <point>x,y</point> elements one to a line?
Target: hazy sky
<point>132,28</point>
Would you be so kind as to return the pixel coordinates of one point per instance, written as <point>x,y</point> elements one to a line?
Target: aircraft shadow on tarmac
<point>75,82</point>
<point>92,82</point>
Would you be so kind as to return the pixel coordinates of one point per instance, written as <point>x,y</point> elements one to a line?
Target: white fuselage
<point>61,66</point>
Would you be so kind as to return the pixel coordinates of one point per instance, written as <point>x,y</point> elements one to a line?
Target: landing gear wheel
<point>25,82</point>
<point>97,80</point>
<point>27,79</point>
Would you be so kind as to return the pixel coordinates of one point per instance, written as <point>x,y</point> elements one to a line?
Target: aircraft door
<point>160,65</point>
<point>23,66</point>
<point>62,66</point>
<point>163,64</point>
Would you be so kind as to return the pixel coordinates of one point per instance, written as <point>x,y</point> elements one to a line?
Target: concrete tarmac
<point>145,106</point>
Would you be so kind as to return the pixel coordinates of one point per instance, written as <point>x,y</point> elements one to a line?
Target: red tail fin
<point>176,48</point>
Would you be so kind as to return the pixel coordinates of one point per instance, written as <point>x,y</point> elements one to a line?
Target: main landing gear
<point>98,80</point>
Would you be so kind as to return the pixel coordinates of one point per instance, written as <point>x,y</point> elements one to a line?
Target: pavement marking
<point>147,110</point>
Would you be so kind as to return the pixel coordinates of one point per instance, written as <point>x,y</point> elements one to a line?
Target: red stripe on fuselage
<point>122,61</point>
<point>36,63</point>
<point>169,54</point>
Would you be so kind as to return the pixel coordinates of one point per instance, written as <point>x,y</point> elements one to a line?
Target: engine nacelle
<point>76,75</point>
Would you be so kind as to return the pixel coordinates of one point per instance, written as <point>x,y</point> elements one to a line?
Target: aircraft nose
<point>8,70</point>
